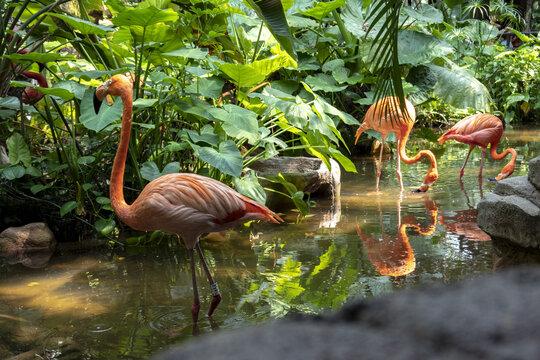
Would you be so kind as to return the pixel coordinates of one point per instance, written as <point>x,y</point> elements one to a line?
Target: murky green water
<point>132,302</point>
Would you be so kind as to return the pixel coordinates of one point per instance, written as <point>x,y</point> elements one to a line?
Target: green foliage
<point>217,88</point>
<point>513,78</point>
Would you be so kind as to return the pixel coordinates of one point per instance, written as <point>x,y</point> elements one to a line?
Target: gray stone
<point>519,186</point>
<point>512,211</point>
<point>31,245</point>
<point>510,218</point>
<point>306,173</point>
<point>492,317</point>
<point>534,172</point>
<point>36,236</point>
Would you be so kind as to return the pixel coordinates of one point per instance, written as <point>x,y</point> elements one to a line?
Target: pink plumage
<point>481,130</point>
<point>188,205</point>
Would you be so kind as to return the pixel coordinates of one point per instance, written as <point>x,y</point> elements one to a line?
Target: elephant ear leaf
<point>273,15</point>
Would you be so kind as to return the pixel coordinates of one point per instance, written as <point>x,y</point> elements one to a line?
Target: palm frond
<point>385,48</point>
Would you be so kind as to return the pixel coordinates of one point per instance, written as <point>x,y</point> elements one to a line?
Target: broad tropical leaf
<point>250,187</point>
<point>459,88</point>
<point>18,150</point>
<point>226,159</point>
<point>272,13</point>
<point>85,27</point>
<point>106,116</point>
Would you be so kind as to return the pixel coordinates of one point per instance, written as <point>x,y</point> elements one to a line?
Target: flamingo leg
<point>471,147</point>
<point>379,165</point>
<point>398,169</point>
<point>196,303</point>
<point>216,295</point>
<point>482,163</point>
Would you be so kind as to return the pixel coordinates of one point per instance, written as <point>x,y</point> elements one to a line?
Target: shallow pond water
<point>116,303</point>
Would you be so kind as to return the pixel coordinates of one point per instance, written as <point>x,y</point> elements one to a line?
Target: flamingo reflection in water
<point>463,222</point>
<point>394,256</point>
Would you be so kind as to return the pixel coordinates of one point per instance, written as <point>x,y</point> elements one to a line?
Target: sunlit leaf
<point>144,17</point>
<point>247,75</point>
<point>190,53</point>
<point>18,150</point>
<point>322,9</point>
<point>424,13</point>
<point>73,87</point>
<point>207,87</point>
<point>83,26</point>
<point>460,89</point>
<point>324,82</point>
<point>106,116</point>
<point>56,91</point>
<point>249,186</point>
<point>39,57</point>
<point>418,48</point>
<point>272,13</point>
<point>238,122</point>
<point>227,158</point>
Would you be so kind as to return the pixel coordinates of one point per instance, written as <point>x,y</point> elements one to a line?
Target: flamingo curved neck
<point>494,155</point>
<point>36,76</point>
<point>409,161</point>
<point>116,186</point>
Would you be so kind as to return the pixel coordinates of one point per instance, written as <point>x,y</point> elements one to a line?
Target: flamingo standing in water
<point>481,130</point>
<point>385,116</point>
<point>184,204</point>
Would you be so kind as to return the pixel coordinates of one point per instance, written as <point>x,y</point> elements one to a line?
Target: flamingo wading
<point>481,130</point>
<point>386,116</point>
<point>184,204</point>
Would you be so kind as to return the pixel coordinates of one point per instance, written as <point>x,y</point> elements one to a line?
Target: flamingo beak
<point>422,188</point>
<point>499,177</point>
<point>97,102</point>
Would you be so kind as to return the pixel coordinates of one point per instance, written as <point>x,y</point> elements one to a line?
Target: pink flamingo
<point>385,116</point>
<point>184,204</point>
<point>481,130</point>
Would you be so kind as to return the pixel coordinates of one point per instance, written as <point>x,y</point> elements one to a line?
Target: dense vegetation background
<point>220,84</point>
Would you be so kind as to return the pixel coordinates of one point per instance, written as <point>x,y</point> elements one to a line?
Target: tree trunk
<point>525,8</point>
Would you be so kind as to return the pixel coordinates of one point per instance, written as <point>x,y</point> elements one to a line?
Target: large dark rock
<point>492,317</point>
<point>534,172</point>
<point>512,211</point>
<point>308,174</point>
<point>31,245</point>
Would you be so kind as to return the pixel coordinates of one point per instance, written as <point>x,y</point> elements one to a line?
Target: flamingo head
<point>115,86</point>
<point>430,179</point>
<point>505,172</point>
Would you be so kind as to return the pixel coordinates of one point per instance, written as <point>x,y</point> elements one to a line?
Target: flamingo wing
<point>479,130</point>
<point>190,204</point>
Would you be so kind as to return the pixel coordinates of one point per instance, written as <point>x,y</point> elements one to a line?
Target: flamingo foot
<point>195,312</point>
<point>216,299</point>
<point>376,192</point>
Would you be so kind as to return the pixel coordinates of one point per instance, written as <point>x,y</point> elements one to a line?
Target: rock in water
<point>512,211</point>
<point>31,245</point>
